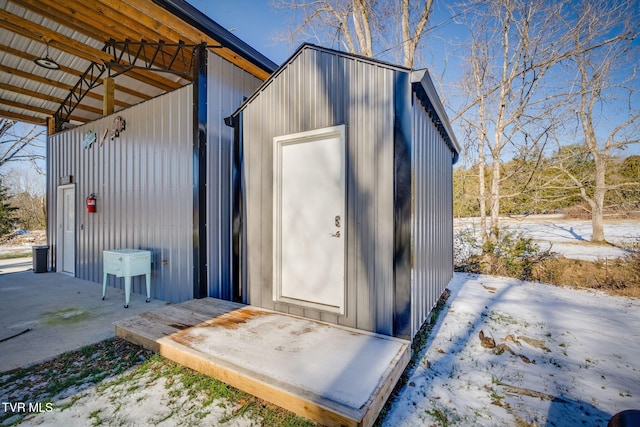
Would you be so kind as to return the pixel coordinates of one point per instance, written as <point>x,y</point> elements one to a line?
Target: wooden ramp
<point>331,374</point>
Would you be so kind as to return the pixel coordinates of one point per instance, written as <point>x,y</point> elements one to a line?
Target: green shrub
<point>509,254</point>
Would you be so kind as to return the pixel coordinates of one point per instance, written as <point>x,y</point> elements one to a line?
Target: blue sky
<point>255,22</point>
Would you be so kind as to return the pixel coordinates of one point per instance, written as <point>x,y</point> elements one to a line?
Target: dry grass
<point>619,277</point>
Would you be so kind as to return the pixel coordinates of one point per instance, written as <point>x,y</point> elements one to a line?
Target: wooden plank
<point>111,25</point>
<point>66,44</point>
<point>386,385</point>
<point>142,331</point>
<point>23,118</point>
<point>166,331</point>
<point>54,83</point>
<point>180,317</point>
<point>108,99</point>
<point>326,414</point>
<point>49,98</point>
<point>29,57</point>
<point>212,305</point>
<point>168,25</point>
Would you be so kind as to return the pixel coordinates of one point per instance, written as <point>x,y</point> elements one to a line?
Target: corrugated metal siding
<point>143,182</point>
<point>433,215</point>
<point>227,85</point>
<point>320,89</point>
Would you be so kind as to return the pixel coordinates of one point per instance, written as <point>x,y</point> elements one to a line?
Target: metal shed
<point>344,193</point>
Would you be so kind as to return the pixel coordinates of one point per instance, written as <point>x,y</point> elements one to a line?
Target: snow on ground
<point>571,238</point>
<point>142,401</point>
<point>570,357</point>
<point>562,357</point>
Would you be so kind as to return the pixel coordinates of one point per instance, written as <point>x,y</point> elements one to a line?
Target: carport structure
<point>103,56</point>
<point>75,65</point>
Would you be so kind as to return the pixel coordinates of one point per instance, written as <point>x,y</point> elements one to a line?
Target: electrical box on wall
<point>64,180</point>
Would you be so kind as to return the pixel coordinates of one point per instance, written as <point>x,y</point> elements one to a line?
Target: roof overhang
<point>426,92</point>
<point>90,40</point>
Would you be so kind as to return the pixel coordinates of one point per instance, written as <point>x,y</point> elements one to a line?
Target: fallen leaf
<point>491,289</point>
<point>534,343</point>
<point>486,341</point>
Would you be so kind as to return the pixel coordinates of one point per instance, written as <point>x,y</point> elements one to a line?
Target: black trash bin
<point>40,258</point>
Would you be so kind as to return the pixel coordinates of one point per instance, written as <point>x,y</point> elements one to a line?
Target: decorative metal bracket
<point>174,58</point>
<point>87,82</point>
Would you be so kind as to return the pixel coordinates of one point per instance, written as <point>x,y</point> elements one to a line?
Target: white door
<point>67,229</point>
<point>309,219</point>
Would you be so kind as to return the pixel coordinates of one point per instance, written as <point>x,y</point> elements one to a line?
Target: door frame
<point>278,143</point>
<point>60,228</point>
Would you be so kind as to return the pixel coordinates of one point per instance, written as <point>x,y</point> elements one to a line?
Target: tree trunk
<point>482,198</point>
<point>597,224</point>
<point>597,208</point>
<point>495,199</point>
<point>483,202</point>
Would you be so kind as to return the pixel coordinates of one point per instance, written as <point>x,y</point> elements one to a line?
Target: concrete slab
<point>334,375</point>
<point>14,265</point>
<point>45,314</point>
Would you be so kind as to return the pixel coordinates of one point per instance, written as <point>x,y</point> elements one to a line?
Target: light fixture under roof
<point>47,62</point>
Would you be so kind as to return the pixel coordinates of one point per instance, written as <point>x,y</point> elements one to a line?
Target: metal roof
<point>420,79</point>
<point>100,38</point>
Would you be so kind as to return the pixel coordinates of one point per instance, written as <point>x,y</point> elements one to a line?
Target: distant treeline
<point>539,187</point>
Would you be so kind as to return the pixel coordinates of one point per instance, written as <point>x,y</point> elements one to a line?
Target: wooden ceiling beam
<point>171,25</point>
<point>149,18</point>
<point>66,44</point>
<point>29,57</point>
<point>23,118</point>
<point>69,19</point>
<point>38,95</point>
<point>22,106</point>
<point>75,15</point>
<point>54,83</point>
<point>47,112</point>
<point>76,73</point>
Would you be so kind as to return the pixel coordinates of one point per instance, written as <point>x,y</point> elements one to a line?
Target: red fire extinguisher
<point>91,203</point>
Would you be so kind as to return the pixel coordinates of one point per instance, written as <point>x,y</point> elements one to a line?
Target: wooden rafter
<point>45,111</point>
<point>170,26</point>
<point>23,118</point>
<point>77,32</point>
<point>54,83</point>
<point>112,25</point>
<point>66,44</point>
<point>50,98</point>
<point>29,57</point>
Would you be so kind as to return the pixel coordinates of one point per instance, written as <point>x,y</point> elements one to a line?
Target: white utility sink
<point>127,263</point>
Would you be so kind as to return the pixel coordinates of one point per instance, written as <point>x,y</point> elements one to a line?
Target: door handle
<point>336,234</point>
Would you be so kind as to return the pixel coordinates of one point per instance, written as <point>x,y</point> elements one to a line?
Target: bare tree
<point>606,97</point>
<point>20,143</point>
<point>512,85</point>
<point>514,44</point>
<point>362,26</point>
